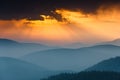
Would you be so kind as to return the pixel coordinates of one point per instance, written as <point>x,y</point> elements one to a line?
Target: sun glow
<point>75,27</point>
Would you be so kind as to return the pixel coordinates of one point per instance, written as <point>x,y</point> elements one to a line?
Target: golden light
<point>77,27</point>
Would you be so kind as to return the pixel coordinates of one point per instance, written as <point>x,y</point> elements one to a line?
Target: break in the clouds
<point>32,9</point>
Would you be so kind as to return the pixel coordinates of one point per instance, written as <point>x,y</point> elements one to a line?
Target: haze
<point>75,27</point>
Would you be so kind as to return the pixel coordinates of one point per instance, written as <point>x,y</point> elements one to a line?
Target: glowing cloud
<point>75,27</point>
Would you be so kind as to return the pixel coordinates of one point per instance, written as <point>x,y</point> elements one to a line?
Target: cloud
<point>17,29</point>
<point>69,26</point>
<point>32,9</point>
<point>77,27</point>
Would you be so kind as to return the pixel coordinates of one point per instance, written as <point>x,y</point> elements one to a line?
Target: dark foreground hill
<point>86,76</point>
<point>112,64</point>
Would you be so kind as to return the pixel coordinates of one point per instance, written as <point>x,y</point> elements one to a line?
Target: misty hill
<point>113,42</point>
<point>75,45</point>
<point>7,42</point>
<point>86,76</point>
<point>14,69</point>
<point>112,64</point>
<point>72,59</point>
<point>10,48</point>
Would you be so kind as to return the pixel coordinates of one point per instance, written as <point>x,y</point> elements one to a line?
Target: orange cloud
<point>75,27</point>
<point>14,29</point>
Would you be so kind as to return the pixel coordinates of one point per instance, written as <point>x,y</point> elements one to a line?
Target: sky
<point>60,22</point>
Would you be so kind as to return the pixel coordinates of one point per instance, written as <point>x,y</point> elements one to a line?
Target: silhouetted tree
<point>94,75</point>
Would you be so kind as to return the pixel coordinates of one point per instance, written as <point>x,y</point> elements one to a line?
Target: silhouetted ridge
<point>86,76</point>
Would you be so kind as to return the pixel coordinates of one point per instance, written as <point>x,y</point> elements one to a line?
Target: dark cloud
<point>31,9</point>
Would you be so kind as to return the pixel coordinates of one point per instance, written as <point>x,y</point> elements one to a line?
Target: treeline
<point>94,75</point>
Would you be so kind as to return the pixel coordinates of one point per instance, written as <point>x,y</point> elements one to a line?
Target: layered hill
<point>11,48</point>
<point>14,69</point>
<point>72,59</point>
<point>112,64</point>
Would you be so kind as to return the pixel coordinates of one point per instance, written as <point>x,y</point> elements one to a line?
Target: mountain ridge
<point>15,69</point>
<point>11,48</point>
<point>112,64</point>
<point>69,58</point>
